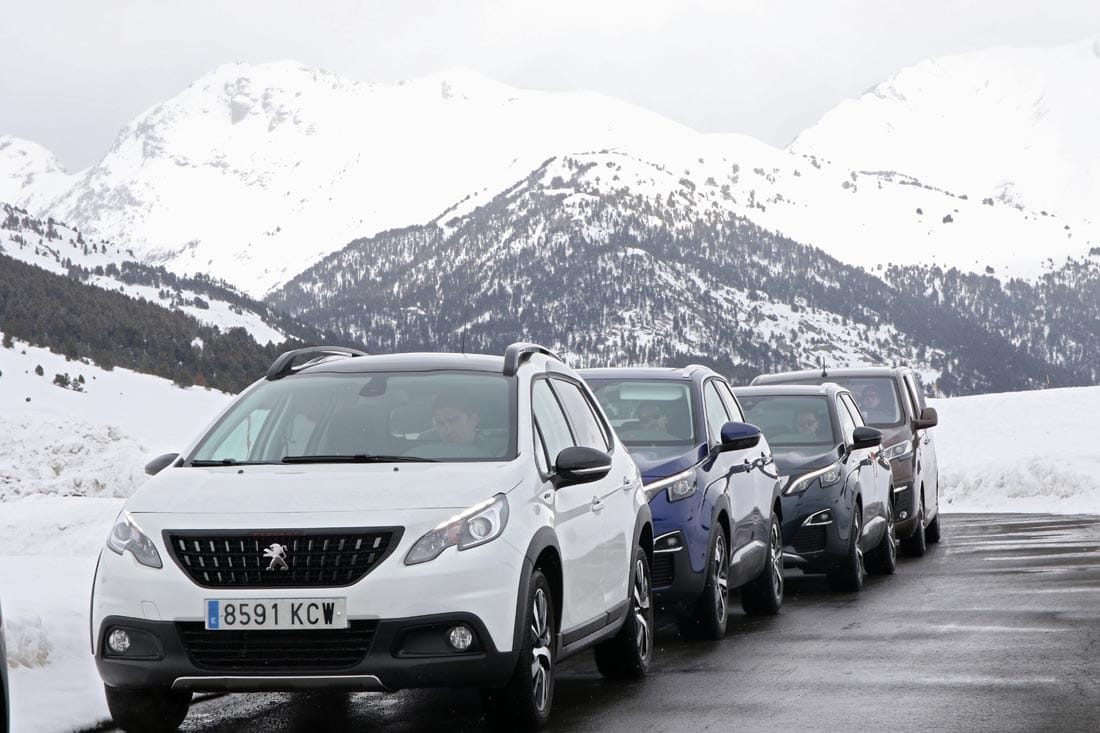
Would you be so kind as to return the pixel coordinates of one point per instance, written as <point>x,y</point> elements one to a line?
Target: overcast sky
<point>73,73</point>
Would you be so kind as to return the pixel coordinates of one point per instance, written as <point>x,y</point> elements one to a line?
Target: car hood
<point>324,487</point>
<point>893,435</point>
<point>655,469</point>
<point>795,461</point>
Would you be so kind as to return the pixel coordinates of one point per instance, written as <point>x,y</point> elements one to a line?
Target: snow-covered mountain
<point>257,171</point>
<point>1014,125</point>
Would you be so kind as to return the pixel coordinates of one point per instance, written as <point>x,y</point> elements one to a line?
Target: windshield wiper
<point>356,458</point>
<point>200,463</point>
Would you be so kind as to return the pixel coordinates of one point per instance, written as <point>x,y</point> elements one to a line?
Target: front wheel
<point>883,560</point>
<point>932,531</point>
<point>706,618</point>
<point>764,595</point>
<point>849,574</point>
<point>916,544</point>
<point>629,652</point>
<point>147,710</point>
<point>525,701</point>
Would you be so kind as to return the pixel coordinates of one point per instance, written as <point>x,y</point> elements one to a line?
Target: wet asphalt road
<point>997,628</point>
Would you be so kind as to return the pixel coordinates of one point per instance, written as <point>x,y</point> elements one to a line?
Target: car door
<point>746,546</point>
<point>577,526</point>
<point>867,472</point>
<point>763,475</point>
<point>611,496</point>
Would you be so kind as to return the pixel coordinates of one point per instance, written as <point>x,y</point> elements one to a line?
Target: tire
<point>151,711</point>
<point>763,595</point>
<point>883,560</point>
<point>932,531</point>
<point>916,544</point>
<point>627,655</point>
<point>526,700</point>
<point>848,576</point>
<point>706,618</point>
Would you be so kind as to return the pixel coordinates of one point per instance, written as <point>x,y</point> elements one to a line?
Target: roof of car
<point>408,362</point>
<point>686,372</point>
<point>791,390</point>
<point>816,374</point>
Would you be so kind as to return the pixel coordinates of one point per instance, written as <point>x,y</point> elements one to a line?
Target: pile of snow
<point>1020,452</point>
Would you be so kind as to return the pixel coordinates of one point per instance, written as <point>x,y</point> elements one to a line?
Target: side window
<point>732,406</point>
<point>550,421</point>
<point>915,391</point>
<point>715,411</point>
<point>857,416</point>
<point>586,424</point>
<point>847,425</point>
<point>541,458</point>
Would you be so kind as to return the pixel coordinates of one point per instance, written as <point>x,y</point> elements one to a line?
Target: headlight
<point>125,536</point>
<point>828,475</point>
<point>679,486</point>
<point>475,526</point>
<point>897,451</point>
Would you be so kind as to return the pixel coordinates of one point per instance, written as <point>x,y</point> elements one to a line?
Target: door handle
<point>597,504</point>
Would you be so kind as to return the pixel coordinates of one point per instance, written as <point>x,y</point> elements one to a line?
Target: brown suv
<point>892,400</point>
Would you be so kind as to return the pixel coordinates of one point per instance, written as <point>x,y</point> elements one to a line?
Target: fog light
<point>460,637</point>
<point>903,515</point>
<point>118,641</point>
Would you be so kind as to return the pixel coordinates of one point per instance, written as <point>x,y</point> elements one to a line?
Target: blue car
<point>711,486</point>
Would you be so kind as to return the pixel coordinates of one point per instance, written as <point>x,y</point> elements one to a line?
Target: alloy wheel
<point>641,609</point>
<point>776,561</point>
<point>721,577</point>
<point>541,661</point>
<point>857,529</point>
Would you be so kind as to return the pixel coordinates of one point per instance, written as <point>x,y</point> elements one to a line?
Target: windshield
<point>380,416</point>
<point>791,421</point>
<point>877,399</point>
<point>652,418</point>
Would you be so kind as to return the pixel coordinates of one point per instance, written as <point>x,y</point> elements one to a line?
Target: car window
<point>732,406</point>
<point>714,410</point>
<point>550,420</point>
<point>582,417</point>
<point>847,424</point>
<point>541,458</point>
<point>439,415</point>
<point>857,417</point>
<point>790,420</point>
<point>878,399</point>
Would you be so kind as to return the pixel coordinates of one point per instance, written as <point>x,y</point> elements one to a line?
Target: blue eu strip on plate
<point>211,614</point>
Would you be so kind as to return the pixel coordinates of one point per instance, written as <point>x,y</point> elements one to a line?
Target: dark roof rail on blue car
<point>286,364</point>
<point>519,351</point>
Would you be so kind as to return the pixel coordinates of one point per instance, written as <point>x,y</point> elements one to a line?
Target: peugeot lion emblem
<point>277,553</point>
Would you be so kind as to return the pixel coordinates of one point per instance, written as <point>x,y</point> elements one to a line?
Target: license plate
<point>276,613</point>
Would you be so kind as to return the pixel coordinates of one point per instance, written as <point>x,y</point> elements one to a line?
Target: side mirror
<point>160,463</point>
<point>579,465</point>
<point>865,437</point>
<point>738,436</point>
<point>928,419</point>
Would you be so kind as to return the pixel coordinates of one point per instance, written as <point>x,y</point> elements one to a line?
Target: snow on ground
<point>68,458</point>
<point>1020,452</point>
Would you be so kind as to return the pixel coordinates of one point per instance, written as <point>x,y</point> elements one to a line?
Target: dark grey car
<point>836,487</point>
<point>892,400</point>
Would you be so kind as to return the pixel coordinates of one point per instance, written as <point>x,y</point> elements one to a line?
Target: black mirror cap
<point>866,437</point>
<point>739,436</point>
<point>928,419</point>
<point>579,465</point>
<point>160,463</point>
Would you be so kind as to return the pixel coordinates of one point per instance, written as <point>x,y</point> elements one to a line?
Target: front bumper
<point>673,577</point>
<point>401,653</point>
<point>811,541</point>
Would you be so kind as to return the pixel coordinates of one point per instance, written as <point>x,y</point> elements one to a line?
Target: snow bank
<point>1020,452</point>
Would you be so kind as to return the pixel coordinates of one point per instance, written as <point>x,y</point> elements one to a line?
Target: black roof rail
<point>284,364</point>
<point>517,352</point>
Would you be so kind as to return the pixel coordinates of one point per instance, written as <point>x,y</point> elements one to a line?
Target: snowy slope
<point>48,245</point>
<point>1014,124</point>
<point>30,173</point>
<point>257,171</point>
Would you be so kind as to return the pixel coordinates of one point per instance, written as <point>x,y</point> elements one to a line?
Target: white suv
<point>375,523</point>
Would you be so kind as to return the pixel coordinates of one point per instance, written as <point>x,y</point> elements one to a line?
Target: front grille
<point>313,557</point>
<point>274,651</point>
<point>903,502</point>
<point>809,539</point>
<point>664,569</point>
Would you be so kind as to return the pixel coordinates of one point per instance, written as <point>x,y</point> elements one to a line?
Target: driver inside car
<point>454,420</point>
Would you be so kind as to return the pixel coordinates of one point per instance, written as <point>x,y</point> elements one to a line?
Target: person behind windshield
<point>871,405</point>
<point>651,417</point>
<point>455,421</point>
<point>806,423</point>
